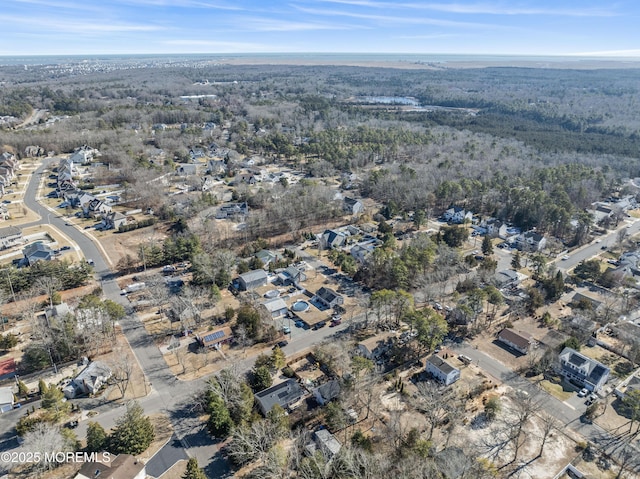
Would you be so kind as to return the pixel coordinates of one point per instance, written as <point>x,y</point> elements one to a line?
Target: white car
<point>583,392</point>
<point>565,257</point>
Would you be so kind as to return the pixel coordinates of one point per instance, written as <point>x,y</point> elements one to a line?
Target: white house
<point>89,381</point>
<point>457,214</point>
<point>6,399</point>
<point>582,370</point>
<point>442,370</point>
<point>530,241</point>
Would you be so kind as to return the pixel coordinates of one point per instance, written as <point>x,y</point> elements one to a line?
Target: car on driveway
<point>319,325</point>
<point>65,248</point>
<point>286,329</point>
<point>583,392</point>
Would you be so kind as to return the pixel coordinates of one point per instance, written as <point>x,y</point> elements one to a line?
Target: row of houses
<point>9,166</point>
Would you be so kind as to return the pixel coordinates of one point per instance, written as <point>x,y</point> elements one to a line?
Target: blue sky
<point>511,27</point>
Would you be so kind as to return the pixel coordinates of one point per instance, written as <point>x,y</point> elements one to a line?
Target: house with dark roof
<point>252,279</point>
<point>530,241</point>
<point>441,370</point>
<point>37,251</point>
<point>506,277</point>
<point>327,391</point>
<point>582,370</point>
<point>328,298</point>
<point>123,466</point>
<point>285,395</point>
<point>333,239</point>
<point>215,339</point>
<point>292,275</point>
<point>352,206</point>
<point>518,340</point>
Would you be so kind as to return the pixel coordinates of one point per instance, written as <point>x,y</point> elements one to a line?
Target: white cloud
<point>481,8</point>
<point>183,3</point>
<point>634,53</point>
<point>78,25</point>
<point>388,19</point>
<point>274,25</point>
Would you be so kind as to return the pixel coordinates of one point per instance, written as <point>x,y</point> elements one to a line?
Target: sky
<point>491,27</point>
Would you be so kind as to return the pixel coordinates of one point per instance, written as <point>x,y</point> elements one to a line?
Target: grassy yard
<point>556,390</point>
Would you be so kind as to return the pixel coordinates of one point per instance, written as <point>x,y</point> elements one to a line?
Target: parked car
<point>65,248</point>
<point>286,329</point>
<point>319,325</point>
<point>280,344</point>
<point>335,321</point>
<point>583,392</point>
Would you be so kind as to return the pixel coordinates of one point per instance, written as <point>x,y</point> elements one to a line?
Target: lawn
<point>556,390</point>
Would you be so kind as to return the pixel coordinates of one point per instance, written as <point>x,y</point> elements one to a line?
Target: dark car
<point>280,344</point>
<point>71,424</point>
<point>319,325</point>
<point>65,248</point>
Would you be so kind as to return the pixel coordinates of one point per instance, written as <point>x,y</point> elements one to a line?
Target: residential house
<point>248,178</point>
<point>216,167</point>
<point>196,153</point>
<point>441,370</point>
<point>113,220</point>
<point>326,442</point>
<point>89,381</point>
<point>292,275</point>
<point>7,368</point>
<point>578,298</point>
<point>457,214</point>
<point>6,399</point>
<point>582,370</point>
<point>123,466</point>
<point>232,210</point>
<point>631,383</point>
<point>375,346</point>
<point>506,278</point>
<point>495,228</point>
<point>327,392</point>
<point>331,239</point>
<point>37,251</point>
<point>266,257</point>
<point>186,169</point>
<point>328,298</point>
<point>530,241</point>
<point>361,251</point>
<point>276,307</point>
<point>352,206</point>
<point>518,340</point>
<point>97,208</point>
<point>215,339</point>
<point>252,279</point>
<point>57,311</point>
<point>285,394</point>
<point>10,236</point>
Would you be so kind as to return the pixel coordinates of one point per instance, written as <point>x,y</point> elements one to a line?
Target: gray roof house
<point>89,381</point>
<point>276,307</point>
<point>327,443</point>
<point>328,297</point>
<point>285,394</point>
<point>582,370</point>
<point>327,391</point>
<point>352,206</point>
<point>37,251</point>
<point>6,399</point>
<point>333,238</point>
<point>530,241</point>
<point>442,370</point>
<point>9,236</point>
<point>252,279</point>
<point>292,275</point>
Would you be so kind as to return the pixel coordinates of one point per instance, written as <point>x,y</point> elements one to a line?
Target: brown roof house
<point>520,341</point>
<point>123,466</point>
<point>214,339</point>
